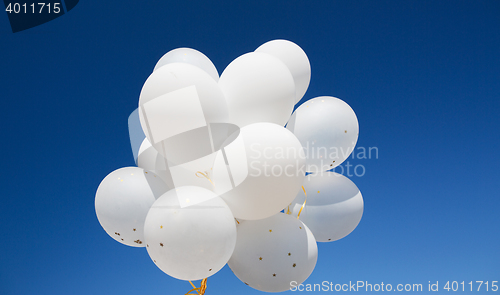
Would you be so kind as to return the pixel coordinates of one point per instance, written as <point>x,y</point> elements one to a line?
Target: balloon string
<point>298,215</point>
<point>199,291</point>
<point>192,285</point>
<point>201,174</point>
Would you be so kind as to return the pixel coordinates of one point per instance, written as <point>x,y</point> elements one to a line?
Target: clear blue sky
<point>422,76</point>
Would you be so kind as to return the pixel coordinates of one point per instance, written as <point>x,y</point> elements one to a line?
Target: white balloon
<point>190,56</point>
<point>180,108</point>
<point>258,88</point>
<point>149,159</point>
<point>295,59</point>
<point>328,129</point>
<point>334,206</point>
<point>273,252</point>
<point>122,202</point>
<point>190,174</point>
<point>194,173</point>
<point>190,243</point>
<point>260,172</point>
<point>135,133</point>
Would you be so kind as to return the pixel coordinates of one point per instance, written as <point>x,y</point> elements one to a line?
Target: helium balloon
<point>149,159</point>
<point>187,174</point>
<point>273,252</point>
<point>328,129</point>
<point>135,132</point>
<point>122,202</point>
<point>180,107</point>
<point>258,88</point>
<point>190,243</point>
<point>260,172</point>
<point>334,206</point>
<point>295,59</point>
<point>189,56</point>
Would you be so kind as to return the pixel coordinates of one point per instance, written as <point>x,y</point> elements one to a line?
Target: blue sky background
<point>422,76</point>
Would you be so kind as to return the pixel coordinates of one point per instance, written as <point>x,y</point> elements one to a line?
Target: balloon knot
<point>205,174</point>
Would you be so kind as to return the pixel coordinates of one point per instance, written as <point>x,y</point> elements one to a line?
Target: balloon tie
<point>201,174</point>
<point>199,291</point>
<point>298,215</point>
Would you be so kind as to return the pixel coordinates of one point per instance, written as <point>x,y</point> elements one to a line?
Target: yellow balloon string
<point>201,174</point>
<point>298,215</point>
<point>199,291</point>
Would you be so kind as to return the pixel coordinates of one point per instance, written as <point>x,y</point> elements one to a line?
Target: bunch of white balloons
<point>221,180</point>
